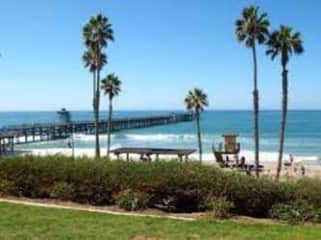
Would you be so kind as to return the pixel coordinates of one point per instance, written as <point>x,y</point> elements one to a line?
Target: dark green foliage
<point>171,186</point>
<point>131,201</point>
<point>220,208</point>
<point>62,190</point>
<point>7,187</point>
<point>308,189</point>
<point>295,212</point>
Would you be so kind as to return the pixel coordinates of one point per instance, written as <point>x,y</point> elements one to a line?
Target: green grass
<point>25,222</point>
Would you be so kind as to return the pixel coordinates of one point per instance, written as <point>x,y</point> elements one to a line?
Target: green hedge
<point>172,186</point>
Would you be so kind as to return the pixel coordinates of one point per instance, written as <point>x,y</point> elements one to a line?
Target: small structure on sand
<point>230,146</point>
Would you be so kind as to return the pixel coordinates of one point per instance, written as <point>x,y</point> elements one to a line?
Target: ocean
<point>303,136</point>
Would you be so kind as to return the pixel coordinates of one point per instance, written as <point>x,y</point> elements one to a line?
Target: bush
<point>220,208</point>
<point>317,216</point>
<point>62,190</point>
<point>171,186</point>
<point>7,188</point>
<point>308,189</point>
<point>295,212</point>
<point>131,201</point>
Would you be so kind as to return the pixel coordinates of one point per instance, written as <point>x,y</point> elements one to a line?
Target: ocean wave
<point>160,137</point>
<point>137,137</point>
<point>90,138</point>
<point>188,137</point>
<point>305,152</point>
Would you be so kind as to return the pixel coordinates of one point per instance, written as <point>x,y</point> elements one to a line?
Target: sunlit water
<point>303,137</point>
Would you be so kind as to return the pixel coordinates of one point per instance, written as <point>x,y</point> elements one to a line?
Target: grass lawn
<point>25,222</point>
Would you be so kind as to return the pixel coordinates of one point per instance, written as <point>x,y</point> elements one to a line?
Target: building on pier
<point>64,116</point>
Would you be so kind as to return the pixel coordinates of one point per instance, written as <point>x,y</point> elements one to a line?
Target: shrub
<point>171,186</point>
<point>317,216</point>
<point>220,208</point>
<point>308,189</point>
<point>62,190</point>
<point>131,201</point>
<point>7,188</point>
<point>294,212</point>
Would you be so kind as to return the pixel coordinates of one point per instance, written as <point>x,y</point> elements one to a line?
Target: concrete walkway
<point>90,209</point>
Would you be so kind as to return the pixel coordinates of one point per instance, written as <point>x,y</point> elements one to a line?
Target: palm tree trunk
<point>256,113</point>
<point>97,102</point>
<point>109,126</point>
<point>199,137</point>
<point>94,92</point>
<point>94,86</point>
<point>283,118</point>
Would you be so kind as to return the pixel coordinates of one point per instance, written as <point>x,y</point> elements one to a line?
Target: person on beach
<point>296,167</point>
<point>242,163</point>
<point>290,161</point>
<point>227,160</point>
<point>69,144</point>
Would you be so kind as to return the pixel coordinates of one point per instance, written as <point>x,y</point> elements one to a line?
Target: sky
<point>162,49</point>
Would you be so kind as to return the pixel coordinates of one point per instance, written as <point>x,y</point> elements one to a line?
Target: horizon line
<point>162,110</point>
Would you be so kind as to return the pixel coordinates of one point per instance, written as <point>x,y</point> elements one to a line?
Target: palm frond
<point>252,26</point>
<point>111,85</point>
<point>97,32</point>
<point>284,43</point>
<point>196,100</point>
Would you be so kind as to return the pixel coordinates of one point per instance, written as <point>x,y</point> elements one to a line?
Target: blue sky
<point>163,48</point>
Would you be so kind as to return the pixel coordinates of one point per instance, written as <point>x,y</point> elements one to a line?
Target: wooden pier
<point>6,143</point>
<point>29,133</point>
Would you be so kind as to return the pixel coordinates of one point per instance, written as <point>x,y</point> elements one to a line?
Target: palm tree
<point>283,43</point>
<point>111,87</point>
<point>89,62</point>
<point>96,34</point>
<point>252,28</point>
<point>195,101</point>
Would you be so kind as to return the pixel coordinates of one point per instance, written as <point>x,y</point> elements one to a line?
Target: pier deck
<point>28,133</point>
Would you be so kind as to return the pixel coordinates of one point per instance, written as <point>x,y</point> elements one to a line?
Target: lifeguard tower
<point>230,147</point>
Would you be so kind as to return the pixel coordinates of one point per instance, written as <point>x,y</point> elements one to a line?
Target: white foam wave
<point>159,137</point>
<point>90,138</point>
<point>138,137</point>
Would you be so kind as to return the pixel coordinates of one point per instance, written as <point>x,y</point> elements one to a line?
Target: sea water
<point>303,133</point>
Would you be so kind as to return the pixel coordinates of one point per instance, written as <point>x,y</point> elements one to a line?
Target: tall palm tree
<point>90,62</point>
<point>284,43</point>
<point>196,101</point>
<point>96,34</point>
<point>111,87</point>
<point>253,28</point>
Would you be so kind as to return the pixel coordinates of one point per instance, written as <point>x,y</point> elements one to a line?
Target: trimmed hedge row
<point>172,186</point>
